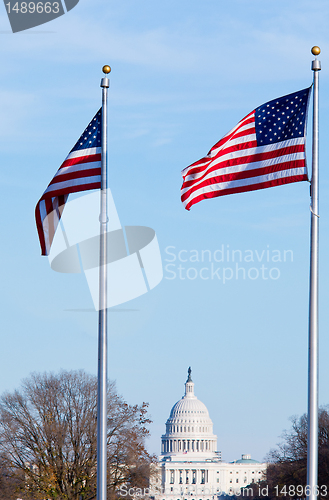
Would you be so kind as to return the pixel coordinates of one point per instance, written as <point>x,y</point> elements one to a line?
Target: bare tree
<point>48,437</point>
<point>287,468</point>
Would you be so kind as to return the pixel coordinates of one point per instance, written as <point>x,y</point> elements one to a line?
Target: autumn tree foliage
<point>48,439</point>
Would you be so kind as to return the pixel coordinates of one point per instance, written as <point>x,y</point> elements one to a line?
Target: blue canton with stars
<point>282,119</point>
<point>92,136</point>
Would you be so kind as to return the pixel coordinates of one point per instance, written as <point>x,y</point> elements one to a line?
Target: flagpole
<point>102,325</point>
<point>313,353</point>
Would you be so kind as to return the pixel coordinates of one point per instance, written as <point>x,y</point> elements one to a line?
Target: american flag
<point>266,148</point>
<point>80,171</point>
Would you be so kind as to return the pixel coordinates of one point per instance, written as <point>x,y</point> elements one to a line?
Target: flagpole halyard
<point>102,330</point>
<point>313,352</point>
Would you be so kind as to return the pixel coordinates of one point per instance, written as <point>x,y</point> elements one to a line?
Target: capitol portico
<point>190,467</point>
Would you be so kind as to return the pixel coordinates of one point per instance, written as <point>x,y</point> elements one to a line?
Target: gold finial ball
<point>106,69</point>
<point>315,50</point>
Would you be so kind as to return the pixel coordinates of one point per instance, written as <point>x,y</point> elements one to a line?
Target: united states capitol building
<point>190,467</point>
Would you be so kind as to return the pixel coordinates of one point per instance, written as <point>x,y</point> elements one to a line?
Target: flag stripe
<point>201,165</point>
<point>244,171</point>
<point>246,188</point>
<point>77,160</point>
<point>83,152</point>
<point>75,174</point>
<point>75,168</point>
<point>247,119</point>
<point>223,180</point>
<point>270,158</point>
<point>62,187</point>
<point>293,145</point>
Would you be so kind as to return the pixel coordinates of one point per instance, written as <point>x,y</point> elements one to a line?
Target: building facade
<point>190,467</point>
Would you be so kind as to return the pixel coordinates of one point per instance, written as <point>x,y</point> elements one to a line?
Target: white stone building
<point>190,467</point>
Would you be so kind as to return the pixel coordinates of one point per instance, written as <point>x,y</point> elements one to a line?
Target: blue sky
<point>183,74</point>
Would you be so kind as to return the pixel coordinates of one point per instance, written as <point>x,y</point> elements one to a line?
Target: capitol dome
<point>189,429</point>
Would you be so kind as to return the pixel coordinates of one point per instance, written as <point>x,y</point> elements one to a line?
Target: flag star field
<point>282,118</point>
<point>92,135</point>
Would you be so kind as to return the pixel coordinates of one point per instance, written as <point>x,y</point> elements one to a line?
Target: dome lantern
<point>189,385</point>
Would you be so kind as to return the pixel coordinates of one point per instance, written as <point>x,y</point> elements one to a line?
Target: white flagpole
<point>102,325</point>
<point>313,354</point>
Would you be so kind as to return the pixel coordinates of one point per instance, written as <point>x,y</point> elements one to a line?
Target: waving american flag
<point>80,171</point>
<point>266,148</point>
